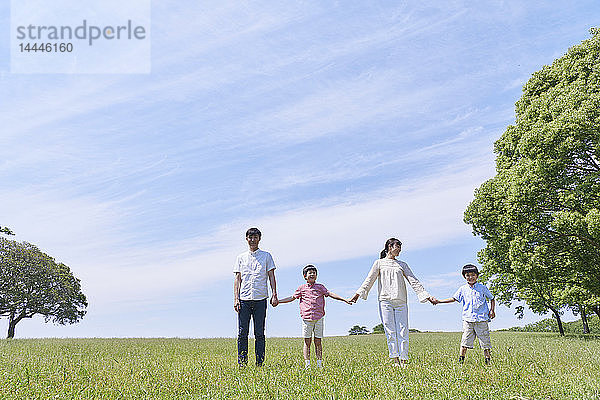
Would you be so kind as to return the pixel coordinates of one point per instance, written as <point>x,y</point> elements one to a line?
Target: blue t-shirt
<point>474,302</point>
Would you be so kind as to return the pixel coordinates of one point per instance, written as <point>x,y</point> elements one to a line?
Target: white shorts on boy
<point>310,328</point>
<point>479,329</point>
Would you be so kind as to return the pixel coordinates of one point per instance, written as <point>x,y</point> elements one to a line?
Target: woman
<point>393,307</point>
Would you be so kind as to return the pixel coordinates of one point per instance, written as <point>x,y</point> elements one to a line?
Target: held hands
<point>274,300</point>
<point>433,300</point>
<point>236,305</point>
<point>492,314</point>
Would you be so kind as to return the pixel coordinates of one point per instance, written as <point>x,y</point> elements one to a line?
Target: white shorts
<point>312,327</point>
<point>479,329</point>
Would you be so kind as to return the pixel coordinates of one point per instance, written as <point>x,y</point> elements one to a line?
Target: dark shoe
<point>461,359</point>
<point>487,361</point>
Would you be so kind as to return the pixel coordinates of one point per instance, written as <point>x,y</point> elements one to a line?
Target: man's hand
<point>492,314</point>
<point>237,283</point>
<point>274,300</point>
<point>354,298</point>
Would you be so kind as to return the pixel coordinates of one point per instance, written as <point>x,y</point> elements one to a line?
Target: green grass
<point>525,366</point>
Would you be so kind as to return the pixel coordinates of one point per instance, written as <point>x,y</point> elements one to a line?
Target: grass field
<point>525,366</point>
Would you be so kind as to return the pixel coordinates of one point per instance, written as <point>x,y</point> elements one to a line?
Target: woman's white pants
<point>394,317</point>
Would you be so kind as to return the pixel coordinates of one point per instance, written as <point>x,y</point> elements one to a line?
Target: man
<point>252,270</point>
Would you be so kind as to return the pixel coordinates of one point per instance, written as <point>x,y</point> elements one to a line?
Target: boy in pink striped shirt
<point>312,309</point>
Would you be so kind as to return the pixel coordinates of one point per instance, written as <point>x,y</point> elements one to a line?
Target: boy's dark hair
<point>253,231</point>
<point>309,267</point>
<point>469,268</point>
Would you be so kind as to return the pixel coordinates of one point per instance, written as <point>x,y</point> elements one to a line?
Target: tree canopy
<point>32,282</point>
<point>378,329</point>
<point>540,214</point>
<point>358,330</point>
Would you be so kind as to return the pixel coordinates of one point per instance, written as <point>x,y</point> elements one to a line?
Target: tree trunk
<point>584,320</point>
<point>11,330</point>
<point>597,310</point>
<point>12,323</point>
<point>11,327</point>
<point>560,326</point>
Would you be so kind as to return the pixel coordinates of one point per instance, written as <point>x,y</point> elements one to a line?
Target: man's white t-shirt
<point>253,267</point>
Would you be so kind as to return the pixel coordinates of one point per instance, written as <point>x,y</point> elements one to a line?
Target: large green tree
<point>32,282</point>
<point>540,214</point>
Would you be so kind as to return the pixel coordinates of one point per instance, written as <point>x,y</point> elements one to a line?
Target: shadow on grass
<point>586,336</point>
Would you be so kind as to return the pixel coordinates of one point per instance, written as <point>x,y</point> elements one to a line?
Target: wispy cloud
<point>425,217</point>
<point>331,126</point>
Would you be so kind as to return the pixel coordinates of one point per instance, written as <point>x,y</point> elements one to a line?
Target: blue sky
<point>330,126</point>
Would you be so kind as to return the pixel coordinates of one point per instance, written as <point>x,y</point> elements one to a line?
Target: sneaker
<point>461,359</point>
<point>487,361</point>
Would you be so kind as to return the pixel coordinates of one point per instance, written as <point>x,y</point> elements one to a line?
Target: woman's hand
<point>433,300</point>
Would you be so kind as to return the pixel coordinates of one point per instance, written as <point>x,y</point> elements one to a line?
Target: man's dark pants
<point>257,309</point>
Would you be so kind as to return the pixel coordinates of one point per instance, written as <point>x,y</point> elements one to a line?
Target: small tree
<point>6,230</point>
<point>358,330</point>
<point>378,328</point>
<point>31,283</point>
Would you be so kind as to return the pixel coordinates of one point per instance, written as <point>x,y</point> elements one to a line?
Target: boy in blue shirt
<point>473,296</point>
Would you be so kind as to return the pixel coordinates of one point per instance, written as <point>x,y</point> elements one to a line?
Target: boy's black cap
<point>308,268</point>
<point>469,268</point>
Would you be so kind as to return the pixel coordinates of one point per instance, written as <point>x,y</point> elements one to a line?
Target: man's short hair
<point>309,267</point>
<point>253,231</point>
<point>469,268</point>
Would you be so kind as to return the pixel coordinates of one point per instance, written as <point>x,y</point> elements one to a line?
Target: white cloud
<point>448,281</point>
<point>87,236</point>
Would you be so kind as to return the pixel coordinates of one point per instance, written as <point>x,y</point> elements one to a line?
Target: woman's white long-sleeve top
<point>390,275</point>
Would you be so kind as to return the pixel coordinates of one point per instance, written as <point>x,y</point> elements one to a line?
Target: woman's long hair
<point>389,243</point>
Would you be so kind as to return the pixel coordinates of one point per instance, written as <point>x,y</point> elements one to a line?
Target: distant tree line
<point>362,330</point>
<point>6,230</point>
<point>358,330</point>
<point>540,214</point>
<point>550,325</point>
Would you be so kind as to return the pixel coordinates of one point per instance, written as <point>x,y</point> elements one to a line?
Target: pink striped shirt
<point>312,301</point>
